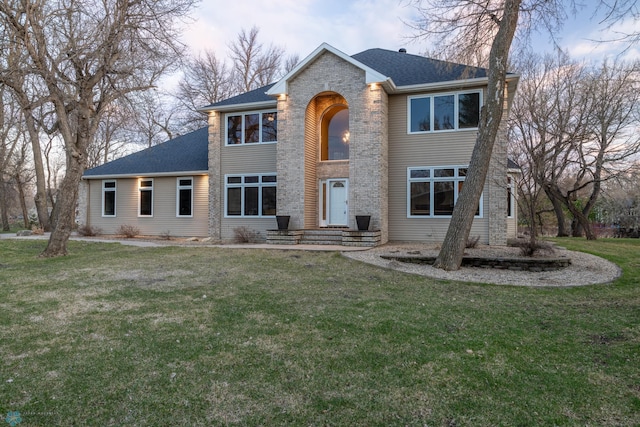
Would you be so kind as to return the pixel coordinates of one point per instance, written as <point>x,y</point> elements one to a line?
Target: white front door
<point>338,204</point>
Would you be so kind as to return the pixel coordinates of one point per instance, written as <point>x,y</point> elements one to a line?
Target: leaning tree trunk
<point>452,251</point>
<point>76,143</point>
<point>66,200</point>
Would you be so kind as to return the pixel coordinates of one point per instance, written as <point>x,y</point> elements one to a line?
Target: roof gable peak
<point>371,75</point>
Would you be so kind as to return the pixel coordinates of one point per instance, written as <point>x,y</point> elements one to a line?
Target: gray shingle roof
<point>256,95</point>
<point>186,153</point>
<point>406,69</point>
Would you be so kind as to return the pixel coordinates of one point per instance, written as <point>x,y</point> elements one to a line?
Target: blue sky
<point>353,26</point>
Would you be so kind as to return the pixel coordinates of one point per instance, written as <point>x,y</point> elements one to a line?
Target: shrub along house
<point>382,134</point>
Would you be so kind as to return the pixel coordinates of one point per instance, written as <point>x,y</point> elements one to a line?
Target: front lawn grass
<point>119,335</point>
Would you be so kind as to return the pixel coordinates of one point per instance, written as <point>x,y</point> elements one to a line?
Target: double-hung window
<point>252,128</point>
<point>108,198</point>
<point>433,191</point>
<point>145,199</point>
<point>184,199</point>
<point>250,195</point>
<point>447,111</point>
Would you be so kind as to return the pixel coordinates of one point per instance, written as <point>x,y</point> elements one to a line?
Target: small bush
<point>166,235</point>
<point>472,242</point>
<point>88,231</point>
<point>244,235</point>
<point>531,248</point>
<point>128,231</point>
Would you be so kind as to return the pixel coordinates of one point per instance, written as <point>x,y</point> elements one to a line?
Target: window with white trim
<point>433,191</point>
<point>442,112</point>
<point>145,199</point>
<point>184,197</point>
<point>250,195</point>
<point>108,198</point>
<point>259,127</point>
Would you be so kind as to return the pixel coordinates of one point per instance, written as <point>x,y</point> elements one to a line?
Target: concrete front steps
<point>324,236</point>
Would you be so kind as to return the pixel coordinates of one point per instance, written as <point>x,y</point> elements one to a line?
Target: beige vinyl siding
<point>164,219</point>
<point>245,159</point>
<point>311,157</point>
<point>445,148</point>
<point>512,228</point>
<point>248,158</point>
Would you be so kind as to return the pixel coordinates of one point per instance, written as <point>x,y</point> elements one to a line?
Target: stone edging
<point>514,264</point>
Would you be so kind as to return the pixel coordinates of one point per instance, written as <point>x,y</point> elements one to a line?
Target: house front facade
<point>383,134</point>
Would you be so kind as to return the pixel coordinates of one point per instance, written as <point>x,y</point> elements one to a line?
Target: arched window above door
<point>335,134</point>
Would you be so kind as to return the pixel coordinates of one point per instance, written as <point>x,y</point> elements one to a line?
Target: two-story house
<point>381,133</point>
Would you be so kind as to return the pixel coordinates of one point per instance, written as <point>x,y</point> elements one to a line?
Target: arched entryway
<point>327,141</point>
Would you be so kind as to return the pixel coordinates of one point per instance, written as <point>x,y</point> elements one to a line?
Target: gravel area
<point>585,269</point>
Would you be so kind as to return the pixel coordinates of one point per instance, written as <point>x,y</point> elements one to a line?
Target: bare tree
<point>470,26</point>
<point>548,121</point>
<point>26,92</point>
<point>206,80</point>
<point>254,65</point>
<point>611,102</point>
<point>152,118</point>
<point>23,176</point>
<point>86,54</point>
<point>10,134</point>
<point>616,12</point>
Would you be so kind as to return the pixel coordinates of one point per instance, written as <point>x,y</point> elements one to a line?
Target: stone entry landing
<point>324,236</point>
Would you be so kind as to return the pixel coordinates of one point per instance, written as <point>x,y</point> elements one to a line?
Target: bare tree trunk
<point>63,215</point>
<point>41,190</point>
<point>450,256</point>
<point>4,206</point>
<point>67,196</point>
<point>559,212</point>
<point>23,201</point>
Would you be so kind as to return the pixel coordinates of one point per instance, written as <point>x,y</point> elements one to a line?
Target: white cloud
<point>302,25</point>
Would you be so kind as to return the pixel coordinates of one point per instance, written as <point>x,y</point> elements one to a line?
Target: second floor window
<point>447,111</point>
<point>252,128</point>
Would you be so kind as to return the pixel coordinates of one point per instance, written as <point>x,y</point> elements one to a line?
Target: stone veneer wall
<point>82,214</point>
<point>368,160</point>
<point>215,190</point>
<point>497,184</point>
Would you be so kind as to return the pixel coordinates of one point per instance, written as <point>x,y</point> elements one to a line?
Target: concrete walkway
<point>152,243</point>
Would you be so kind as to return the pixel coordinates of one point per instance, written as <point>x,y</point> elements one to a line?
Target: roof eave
<point>449,84</point>
<point>145,175</point>
<point>239,107</point>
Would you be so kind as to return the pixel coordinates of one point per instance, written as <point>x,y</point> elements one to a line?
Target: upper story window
<point>335,134</point>
<point>252,128</point>
<point>433,191</point>
<point>108,198</point>
<point>442,112</point>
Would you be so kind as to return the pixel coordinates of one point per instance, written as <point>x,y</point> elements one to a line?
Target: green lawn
<point>119,335</point>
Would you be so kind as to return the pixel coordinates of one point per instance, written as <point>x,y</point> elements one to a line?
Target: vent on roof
<point>402,50</point>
